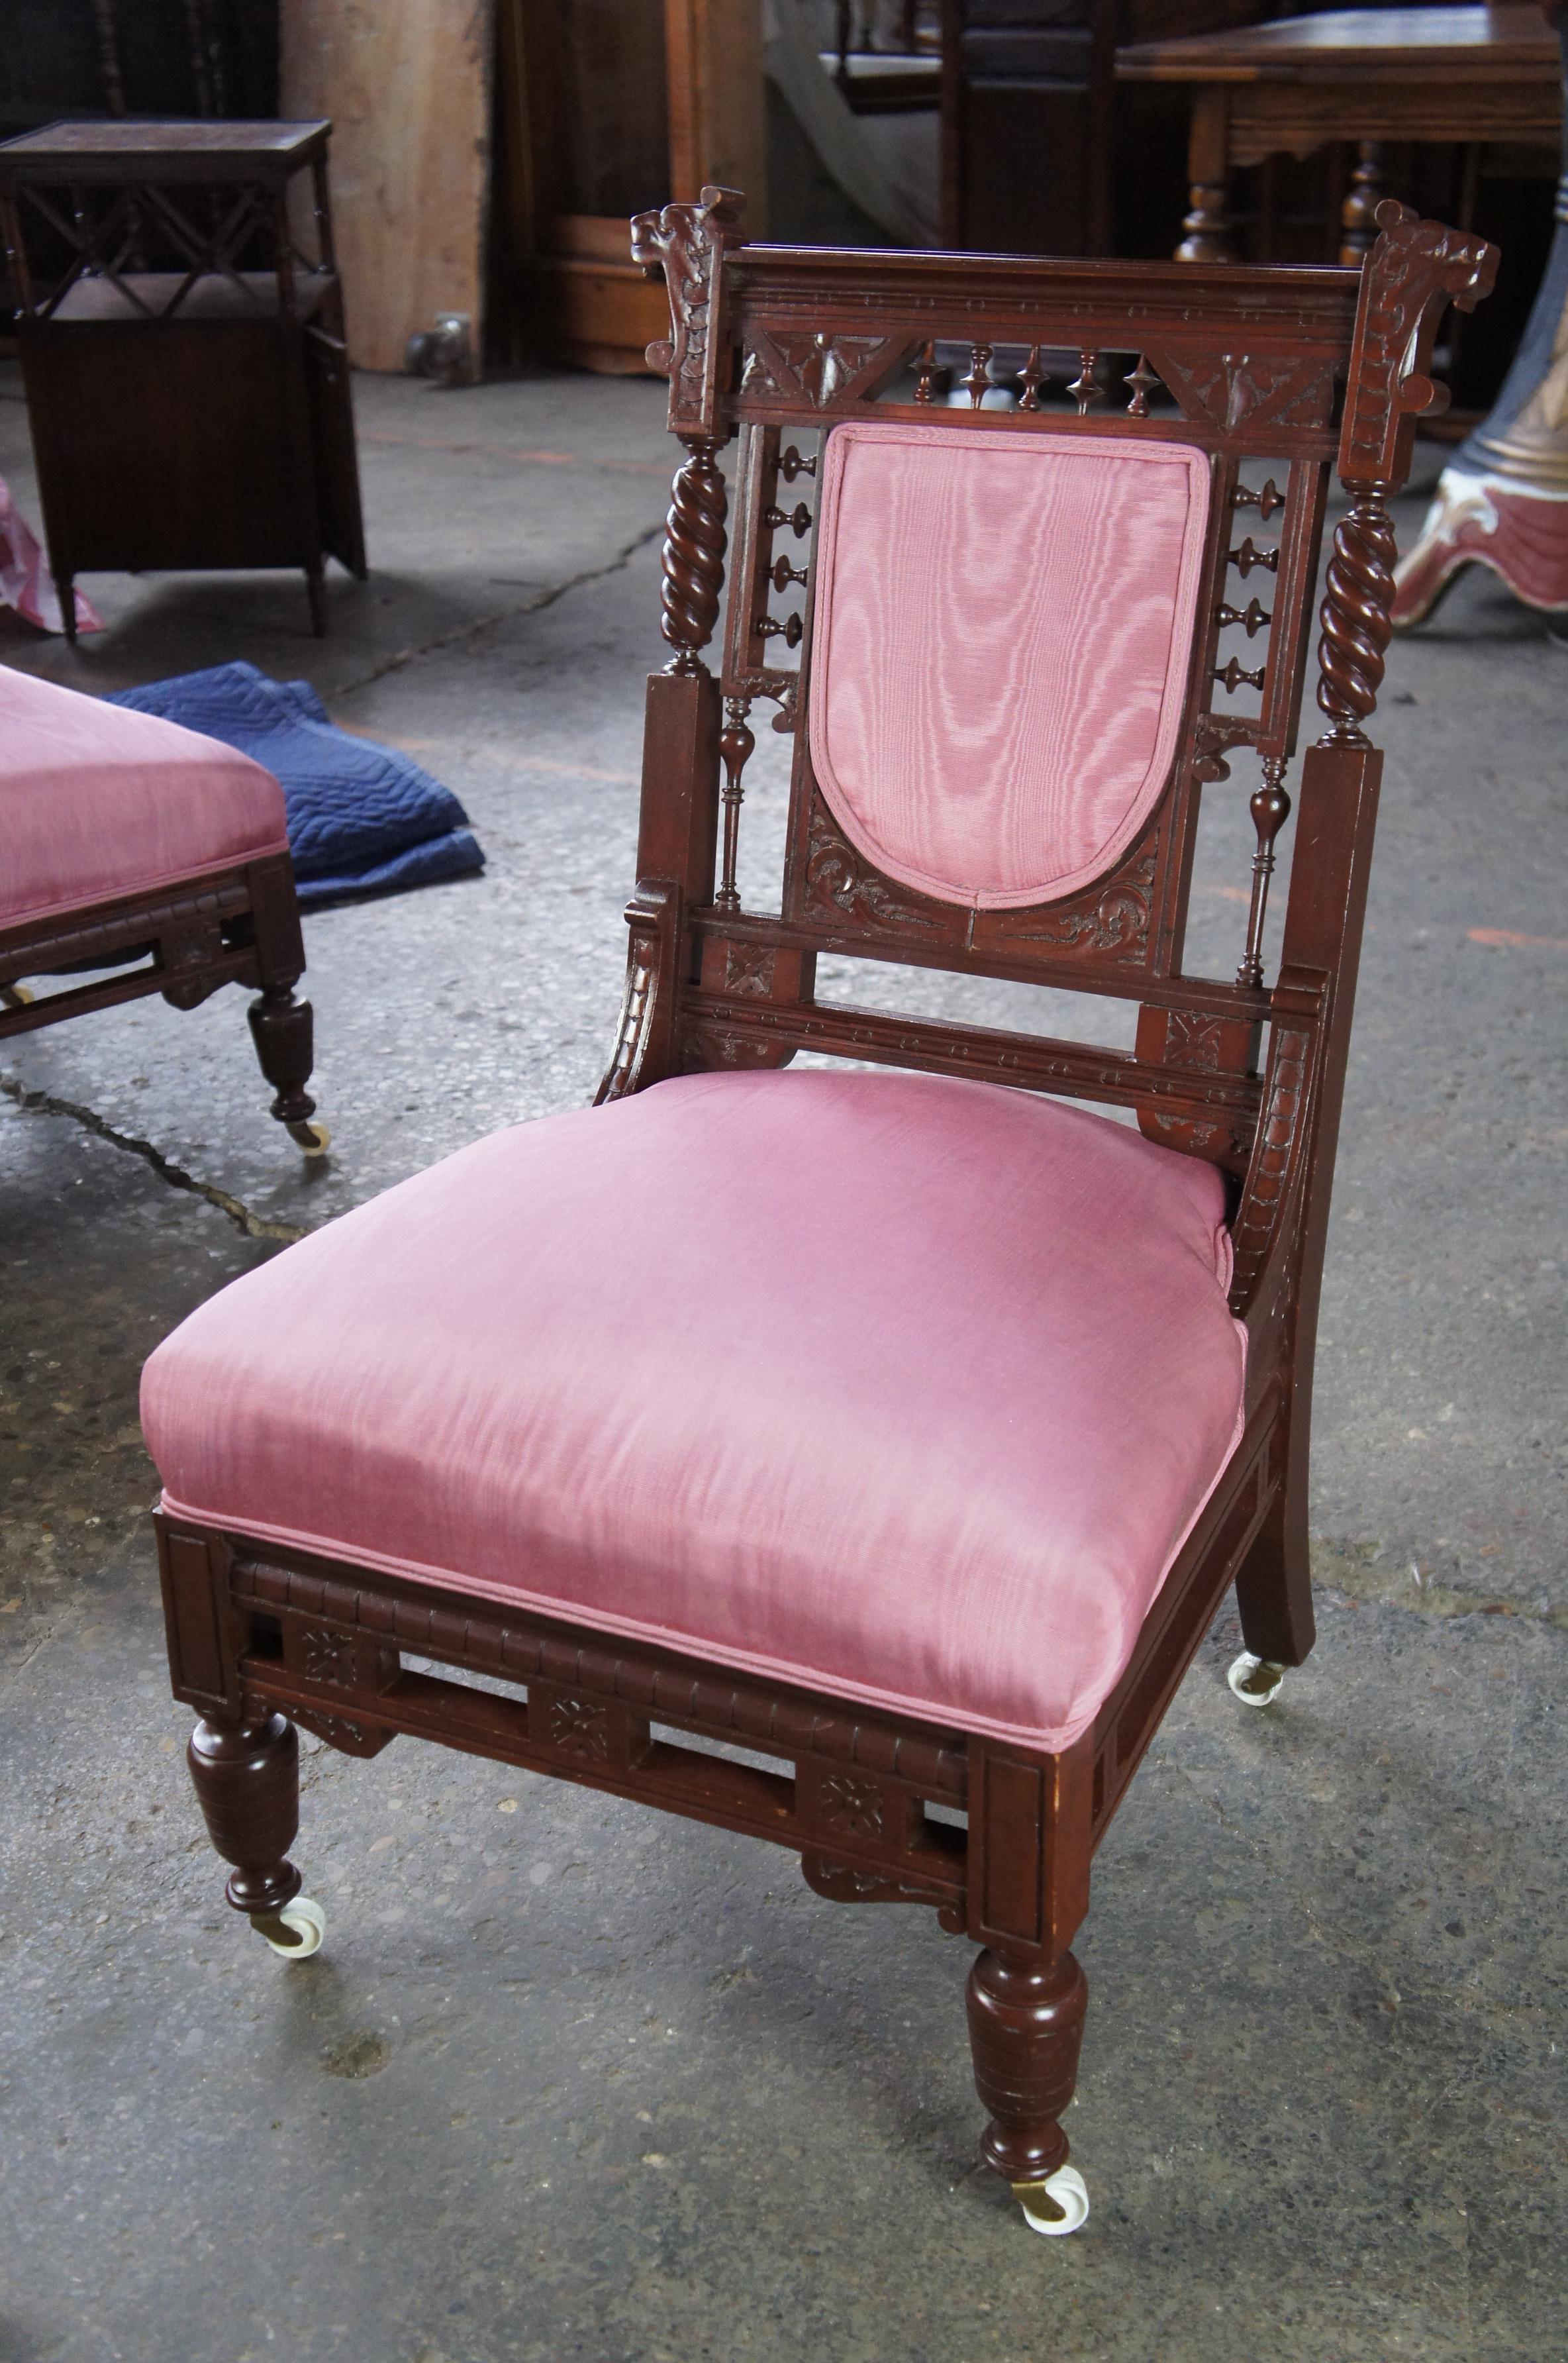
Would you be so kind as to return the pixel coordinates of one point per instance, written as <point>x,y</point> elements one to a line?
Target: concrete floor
<point>573,2081</point>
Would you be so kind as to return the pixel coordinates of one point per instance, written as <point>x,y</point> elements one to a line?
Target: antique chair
<point>131,846</point>
<point>902,1431</point>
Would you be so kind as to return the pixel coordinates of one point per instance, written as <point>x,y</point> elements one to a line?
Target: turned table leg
<point>1209,223</point>
<point>1358,214</point>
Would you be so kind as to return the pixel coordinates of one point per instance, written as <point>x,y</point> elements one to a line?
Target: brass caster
<point>1057,2206</point>
<point>314,1138</point>
<point>1255,1680</point>
<point>295,1932</point>
<point>18,996</point>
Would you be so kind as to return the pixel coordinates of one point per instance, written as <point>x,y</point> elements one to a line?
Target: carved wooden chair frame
<point>185,939</point>
<point>770,346</point>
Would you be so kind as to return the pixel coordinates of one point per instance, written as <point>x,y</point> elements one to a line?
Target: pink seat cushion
<point>999,650</point>
<point>98,801</point>
<point>903,1388</point>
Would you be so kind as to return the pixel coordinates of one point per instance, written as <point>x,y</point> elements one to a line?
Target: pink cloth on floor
<point>903,1388</point>
<point>97,801</point>
<point>999,650</point>
<point>25,582</point>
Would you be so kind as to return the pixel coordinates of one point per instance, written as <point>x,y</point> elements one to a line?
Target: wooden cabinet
<point>185,373</point>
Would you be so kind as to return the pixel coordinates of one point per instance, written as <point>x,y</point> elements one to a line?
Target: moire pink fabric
<point>97,801</point>
<point>904,1388</point>
<point>999,650</point>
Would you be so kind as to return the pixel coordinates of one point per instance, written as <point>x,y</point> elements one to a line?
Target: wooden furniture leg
<point>247,1778</point>
<point>1358,214</point>
<point>1211,221</point>
<point>315,590</point>
<point>284,1030</point>
<point>1274,1594</point>
<point>1026,2022</point>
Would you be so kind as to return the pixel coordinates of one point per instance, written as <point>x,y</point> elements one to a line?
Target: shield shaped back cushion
<point>999,650</point>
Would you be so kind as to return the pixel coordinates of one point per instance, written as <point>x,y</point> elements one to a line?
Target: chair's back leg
<point>1274,1584</point>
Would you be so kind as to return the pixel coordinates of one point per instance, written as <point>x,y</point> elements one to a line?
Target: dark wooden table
<point>1366,75</point>
<point>183,361</point>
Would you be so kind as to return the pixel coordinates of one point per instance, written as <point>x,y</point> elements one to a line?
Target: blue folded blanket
<point>362,819</point>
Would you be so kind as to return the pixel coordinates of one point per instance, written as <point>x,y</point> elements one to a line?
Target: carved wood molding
<point>1035,1062</point>
<point>688,243</point>
<point>822,369</point>
<point>837,879</point>
<point>1111,919</point>
<point>196,915</point>
<point>1278,1154</point>
<point>1242,390</point>
<point>391,1614</point>
<point>1414,271</point>
<point>1213,737</point>
<point>348,1734</point>
<point>842,1883</point>
<point>652,918</point>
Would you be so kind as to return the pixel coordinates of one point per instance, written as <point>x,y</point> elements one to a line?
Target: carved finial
<point>688,243</point>
<point>1416,270</point>
<point>693,556</point>
<point>1359,589</point>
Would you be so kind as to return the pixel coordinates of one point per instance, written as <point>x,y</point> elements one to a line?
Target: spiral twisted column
<point>693,556</point>
<point>1355,619</point>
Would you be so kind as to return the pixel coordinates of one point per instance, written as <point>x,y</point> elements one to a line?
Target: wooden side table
<point>1366,75</point>
<point>186,376</point>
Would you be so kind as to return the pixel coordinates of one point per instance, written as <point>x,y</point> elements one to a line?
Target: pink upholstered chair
<point>130,845</point>
<point>904,1428</point>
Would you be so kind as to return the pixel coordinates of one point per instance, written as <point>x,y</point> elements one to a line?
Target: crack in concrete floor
<point>44,1103</point>
<point>477,623</point>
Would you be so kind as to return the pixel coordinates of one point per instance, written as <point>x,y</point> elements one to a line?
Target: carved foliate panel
<point>1243,391</point>
<point>822,369</point>
<point>834,881</point>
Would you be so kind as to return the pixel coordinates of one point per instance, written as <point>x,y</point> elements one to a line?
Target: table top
<point>124,151</point>
<point>1387,44</point>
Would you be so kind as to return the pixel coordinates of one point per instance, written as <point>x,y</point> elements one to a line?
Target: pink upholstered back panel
<point>97,801</point>
<point>1000,652</point>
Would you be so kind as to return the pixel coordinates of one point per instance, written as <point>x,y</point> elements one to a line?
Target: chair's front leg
<point>1026,2022</point>
<point>247,1778</point>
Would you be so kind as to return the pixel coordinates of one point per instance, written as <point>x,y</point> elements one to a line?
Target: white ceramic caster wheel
<point>1055,2207</point>
<point>296,1930</point>
<point>18,996</point>
<point>314,1138</point>
<point>1255,1680</point>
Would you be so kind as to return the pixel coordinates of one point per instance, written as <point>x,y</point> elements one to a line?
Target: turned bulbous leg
<point>247,1778</point>
<point>284,1030</point>
<point>1025,2025</point>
